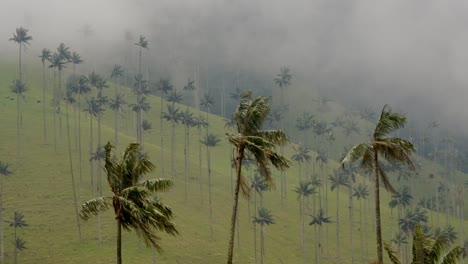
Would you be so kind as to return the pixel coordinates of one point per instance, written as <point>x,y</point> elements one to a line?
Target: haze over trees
<point>271,148</point>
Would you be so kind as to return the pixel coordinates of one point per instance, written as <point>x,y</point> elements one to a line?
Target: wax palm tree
<point>361,192</point>
<point>18,87</point>
<point>140,89</point>
<point>320,219</point>
<point>250,116</point>
<point>139,107</point>
<point>210,141</point>
<point>283,80</point>
<point>339,178</point>
<point>257,184</point>
<point>429,250</point>
<point>164,86</point>
<point>207,102</point>
<point>351,126</point>
<point>75,59</point>
<point>301,154</point>
<point>172,115</point>
<point>447,232</point>
<point>131,199</point>
<point>81,88</point>
<point>190,87</point>
<point>93,108</point>
<point>303,190</point>
<point>142,44</point>
<point>22,38</point>
<point>4,171</point>
<point>18,222</point>
<point>264,218</point>
<point>56,62</point>
<point>393,149</point>
<point>174,97</point>
<point>46,55</point>
<point>116,105</point>
<point>70,100</point>
<point>187,119</point>
<point>200,122</point>
<point>304,123</point>
<point>116,74</point>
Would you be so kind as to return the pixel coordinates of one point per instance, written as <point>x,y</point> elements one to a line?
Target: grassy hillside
<point>41,188</point>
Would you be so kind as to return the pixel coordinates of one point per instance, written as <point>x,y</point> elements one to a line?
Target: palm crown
<point>21,37</point>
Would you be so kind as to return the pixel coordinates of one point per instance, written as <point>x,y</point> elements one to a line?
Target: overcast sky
<point>412,54</point>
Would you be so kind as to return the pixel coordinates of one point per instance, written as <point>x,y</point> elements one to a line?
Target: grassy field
<point>41,188</point>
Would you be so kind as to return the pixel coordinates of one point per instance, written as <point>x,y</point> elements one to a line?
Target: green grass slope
<point>41,188</point>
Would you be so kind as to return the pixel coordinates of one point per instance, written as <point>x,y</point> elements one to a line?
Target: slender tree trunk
<point>338,252</point>
<point>186,162</point>
<point>162,136</point>
<point>208,159</point>
<point>79,137</point>
<point>255,226</point>
<point>16,250</point>
<point>43,103</point>
<point>55,113</point>
<point>58,101</point>
<point>360,230</point>
<point>301,216</point>
<point>173,169</point>
<point>200,166</point>
<point>91,167</point>
<point>119,241</point>
<point>1,220</point>
<point>73,178</point>
<point>378,223</point>
<point>18,120</point>
<point>116,140</point>
<point>351,220</point>
<point>262,246</point>
<point>239,158</point>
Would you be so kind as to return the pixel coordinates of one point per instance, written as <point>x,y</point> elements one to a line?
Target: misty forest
<point>233,131</point>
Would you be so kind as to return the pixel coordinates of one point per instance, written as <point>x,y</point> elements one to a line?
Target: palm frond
<point>388,122</point>
<point>392,254</point>
<point>157,185</point>
<point>93,207</point>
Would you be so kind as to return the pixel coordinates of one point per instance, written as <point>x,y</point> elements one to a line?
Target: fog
<point>410,54</point>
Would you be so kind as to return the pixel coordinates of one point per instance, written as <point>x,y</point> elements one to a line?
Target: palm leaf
<point>93,207</point>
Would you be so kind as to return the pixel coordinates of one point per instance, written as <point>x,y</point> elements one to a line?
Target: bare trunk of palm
<point>186,163</point>
<point>200,166</point>
<point>255,226</point>
<point>173,168</point>
<point>1,220</point>
<point>55,113</point>
<point>208,159</point>
<point>351,220</point>
<point>119,241</point>
<point>338,252</point>
<point>18,118</point>
<point>239,158</point>
<point>262,245</point>
<point>43,103</point>
<point>301,216</point>
<point>162,136</point>
<point>378,223</point>
<point>73,178</point>
<point>360,230</point>
<point>79,138</point>
<point>91,165</point>
<point>58,102</point>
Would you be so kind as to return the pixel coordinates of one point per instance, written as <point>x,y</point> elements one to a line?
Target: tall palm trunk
<point>18,117</point>
<point>55,113</point>
<point>338,252</point>
<point>58,101</point>
<point>16,250</point>
<point>301,216</point>
<point>91,167</point>
<point>200,166</point>
<point>186,153</point>
<point>208,160</point>
<point>351,208</point>
<point>43,103</point>
<point>79,137</point>
<point>162,136</point>
<point>173,168</point>
<point>73,178</point>
<point>360,230</point>
<point>1,220</point>
<point>255,226</point>
<point>262,241</point>
<point>119,241</point>
<point>239,158</point>
<point>378,224</point>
